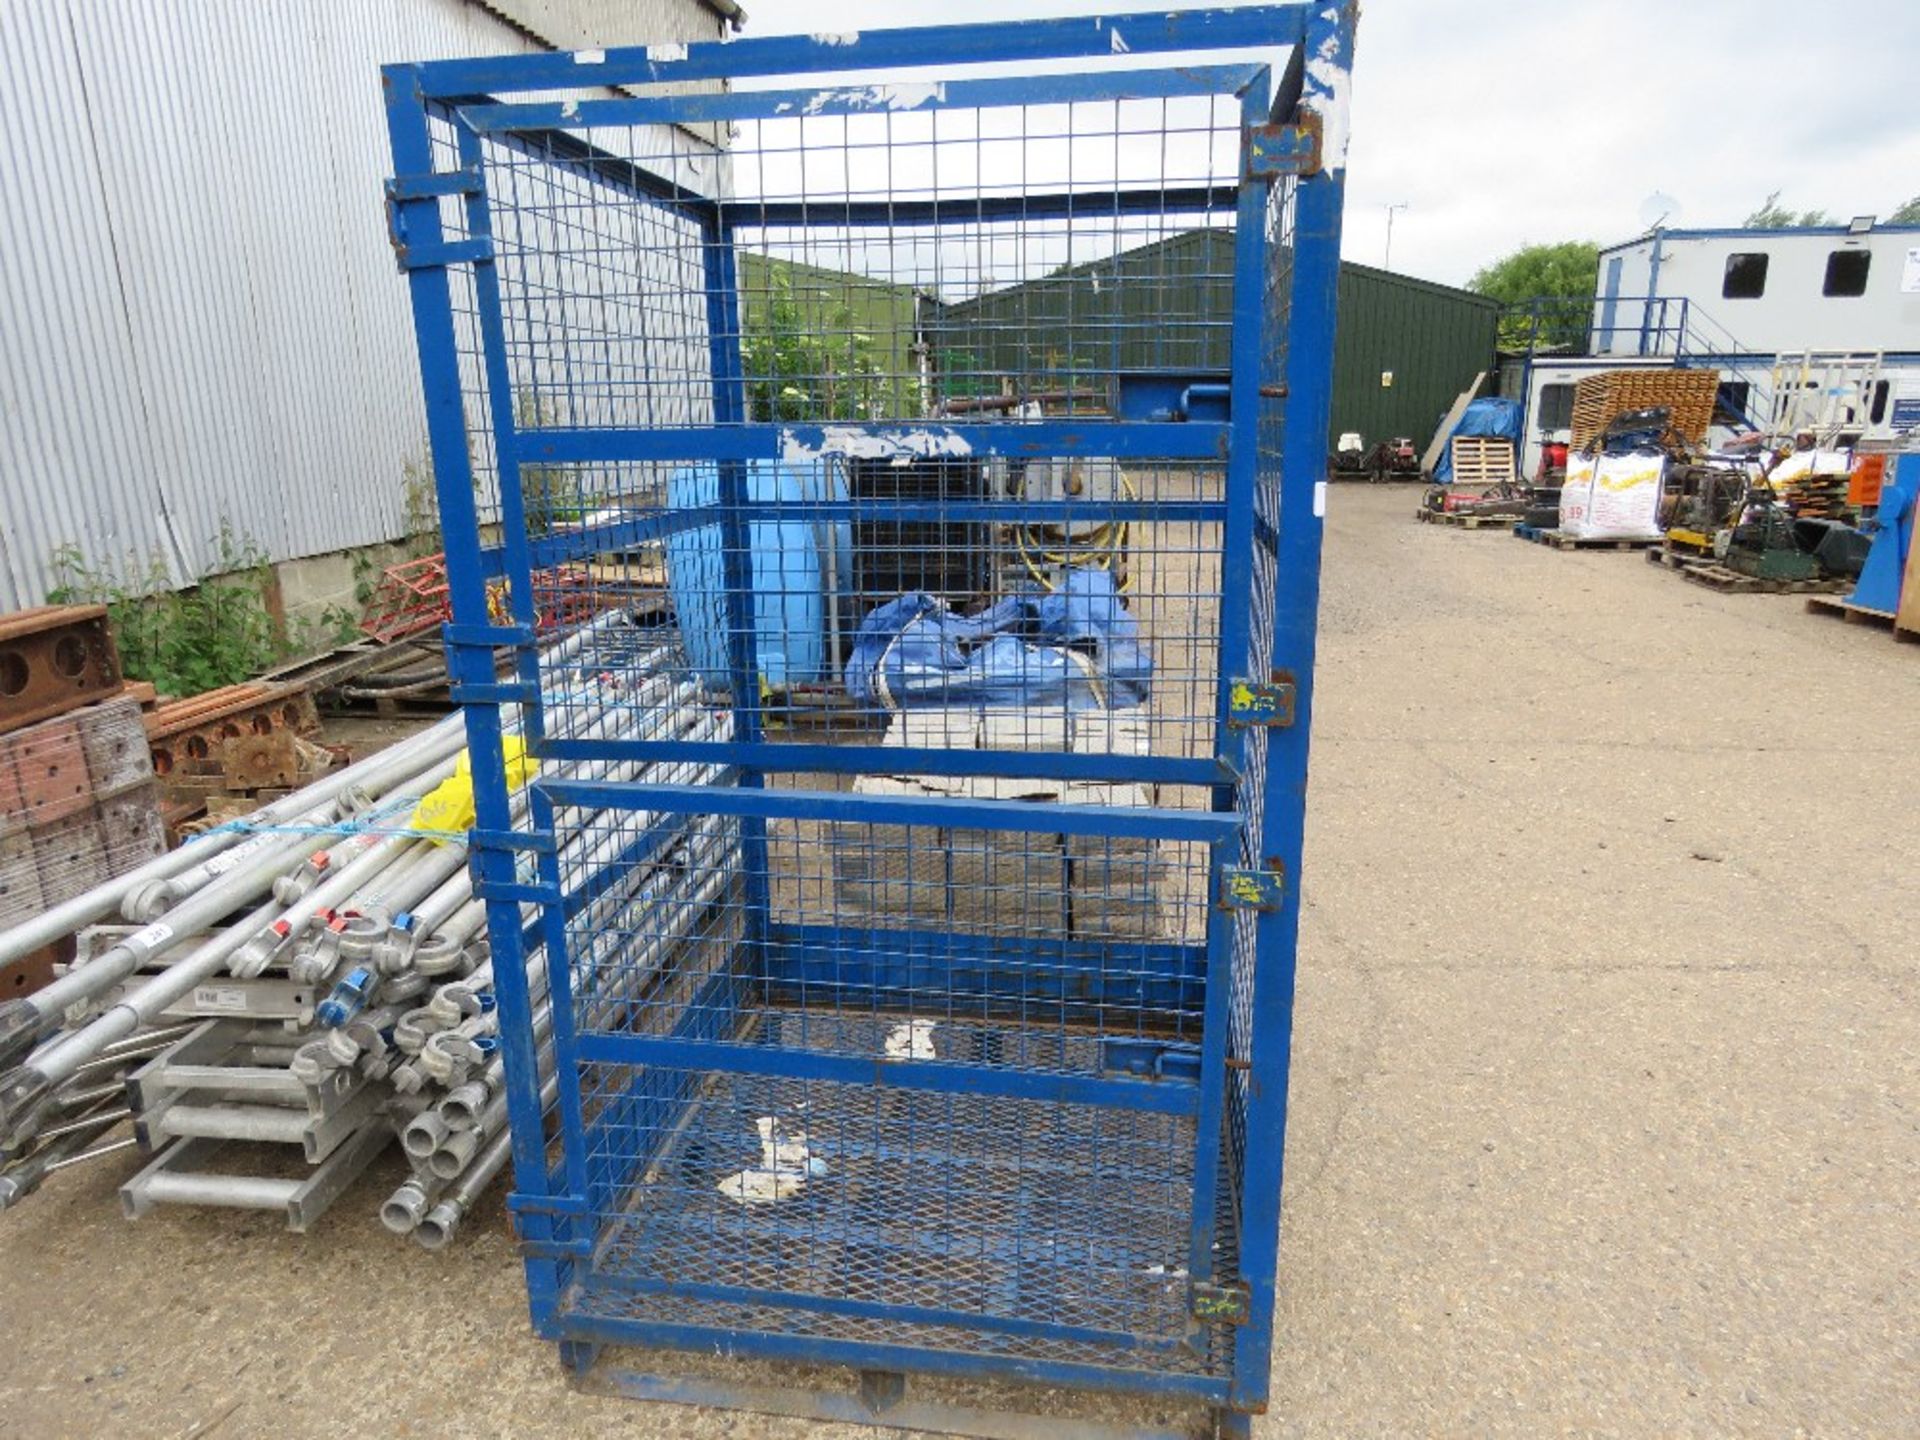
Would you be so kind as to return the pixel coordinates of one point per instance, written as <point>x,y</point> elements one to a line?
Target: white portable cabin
<point>1813,321</point>
<point>1766,292</point>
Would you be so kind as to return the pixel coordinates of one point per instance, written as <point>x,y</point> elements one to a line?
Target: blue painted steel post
<point>1309,398</point>
<point>1236,610</point>
<point>518,573</point>
<point>1653,286</point>
<point>417,229</point>
<point>516,563</point>
<point>742,609</point>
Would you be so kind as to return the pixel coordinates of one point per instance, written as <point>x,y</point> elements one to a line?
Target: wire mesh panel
<point>915,833</point>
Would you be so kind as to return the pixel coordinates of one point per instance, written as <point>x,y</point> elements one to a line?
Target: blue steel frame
<point>551,1205</point>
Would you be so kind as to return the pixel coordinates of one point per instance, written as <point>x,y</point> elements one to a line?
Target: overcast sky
<point>1559,119</point>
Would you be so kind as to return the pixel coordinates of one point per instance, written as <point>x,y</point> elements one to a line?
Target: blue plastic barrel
<point>790,565</point>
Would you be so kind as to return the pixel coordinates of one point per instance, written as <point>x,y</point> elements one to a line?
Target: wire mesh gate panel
<point>914,835</point>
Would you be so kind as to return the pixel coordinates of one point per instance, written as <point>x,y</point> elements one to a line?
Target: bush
<point>217,632</point>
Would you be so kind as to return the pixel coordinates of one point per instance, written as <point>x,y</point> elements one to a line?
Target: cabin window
<point>1847,272</point>
<point>1555,411</point>
<point>1746,275</point>
<point>1878,414</point>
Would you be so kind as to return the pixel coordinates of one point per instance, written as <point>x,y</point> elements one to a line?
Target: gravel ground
<point>1605,1086</point>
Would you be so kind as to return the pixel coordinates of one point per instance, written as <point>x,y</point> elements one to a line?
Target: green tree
<point>1561,278</point>
<point>1907,214</point>
<point>1772,215</point>
<point>809,362</point>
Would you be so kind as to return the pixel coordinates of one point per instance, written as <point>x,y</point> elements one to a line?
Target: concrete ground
<point>1606,1094</point>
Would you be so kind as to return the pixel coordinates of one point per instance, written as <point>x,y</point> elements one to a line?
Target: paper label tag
<point>219,997</point>
<point>253,845</point>
<point>153,937</point>
<point>1320,498</point>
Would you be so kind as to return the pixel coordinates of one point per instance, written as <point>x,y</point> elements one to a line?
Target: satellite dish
<point>1658,209</point>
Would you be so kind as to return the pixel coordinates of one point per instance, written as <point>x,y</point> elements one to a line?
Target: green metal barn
<point>1405,347</point>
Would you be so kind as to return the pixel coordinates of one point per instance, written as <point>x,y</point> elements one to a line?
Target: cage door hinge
<point>524,1202</point>
<point>1274,150</point>
<point>487,637</point>
<point>562,1208</point>
<point>403,191</point>
<point>504,692</point>
<point>1245,889</point>
<point>1219,1304</point>
<point>1255,702</point>
<point>513,841</point>
<point>577,1249</point>
<point>519,892</point>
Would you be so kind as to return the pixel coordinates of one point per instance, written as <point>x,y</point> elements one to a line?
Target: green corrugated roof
<point>1168,305</point>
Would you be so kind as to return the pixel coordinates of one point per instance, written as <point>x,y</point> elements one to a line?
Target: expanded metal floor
<point>1017,1212</point>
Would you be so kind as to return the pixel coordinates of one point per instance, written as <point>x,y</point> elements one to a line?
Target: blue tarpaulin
<point>1076,646</point>
<point>1491,415</point>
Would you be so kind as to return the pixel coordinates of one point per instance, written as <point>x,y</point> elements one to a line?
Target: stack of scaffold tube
<point>319,974</point>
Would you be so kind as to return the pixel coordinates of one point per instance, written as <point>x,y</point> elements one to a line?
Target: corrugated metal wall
<point>576,24</point>
<point>1433,340</point>
<point>1166,305</point>
<point>203,326</point>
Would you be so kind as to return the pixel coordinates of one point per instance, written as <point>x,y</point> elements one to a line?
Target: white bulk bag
<point>1576,493</point>
<point>1626,497</point>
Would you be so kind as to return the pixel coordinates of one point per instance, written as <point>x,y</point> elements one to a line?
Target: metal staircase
<point>1647,327</point>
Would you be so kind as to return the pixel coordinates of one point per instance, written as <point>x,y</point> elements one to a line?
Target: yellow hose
<point>1103,548</point>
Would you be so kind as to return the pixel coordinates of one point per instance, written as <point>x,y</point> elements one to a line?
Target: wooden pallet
<point>1702,568</point>
<point>1860,615</point>
<point>1462,521</point>
<point>1687,394</point>
<point>1481,460</point>
<point>1560,541</point>
<point>1734,582</point>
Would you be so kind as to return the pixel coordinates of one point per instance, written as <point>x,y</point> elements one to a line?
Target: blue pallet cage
<point>894,945</point>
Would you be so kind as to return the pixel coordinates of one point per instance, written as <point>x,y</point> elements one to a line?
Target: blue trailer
<point>924,1008</point>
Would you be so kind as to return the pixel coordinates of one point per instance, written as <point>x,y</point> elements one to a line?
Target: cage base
<point>879,1398</point>
<point>992,1215</point>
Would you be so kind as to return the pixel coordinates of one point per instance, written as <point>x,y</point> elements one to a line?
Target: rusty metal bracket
<point>1255,702</point>
<point>1275,150</point>
<point>1244,889</point>
<point>1219,1304</point>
